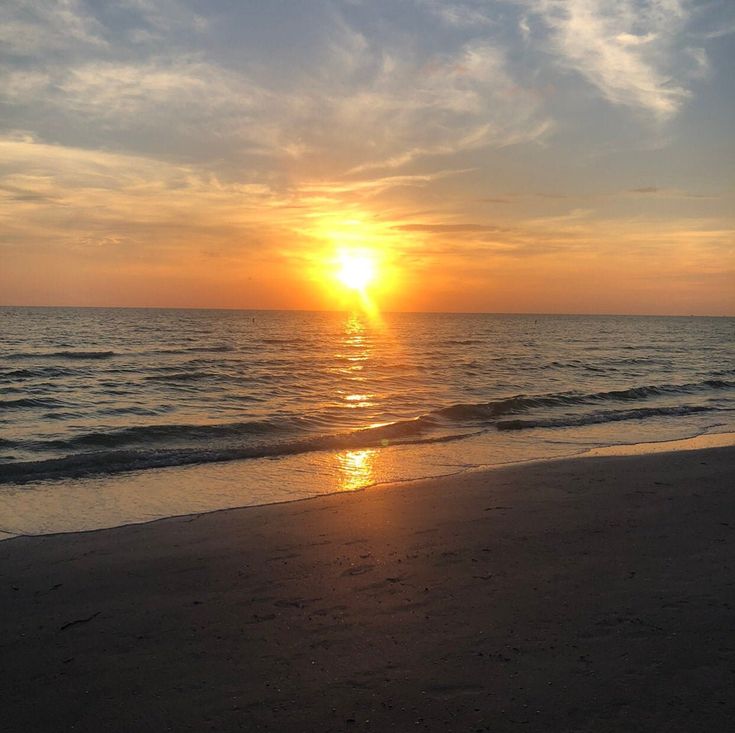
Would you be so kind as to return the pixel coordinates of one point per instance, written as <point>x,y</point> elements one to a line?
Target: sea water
<point>116,415</point>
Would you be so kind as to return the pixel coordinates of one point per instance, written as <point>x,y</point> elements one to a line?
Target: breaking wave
<point>155,446</point>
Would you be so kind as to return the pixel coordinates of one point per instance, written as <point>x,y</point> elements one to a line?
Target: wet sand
<point>593,594</point>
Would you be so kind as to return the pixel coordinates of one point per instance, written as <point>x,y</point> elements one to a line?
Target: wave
<point>30,402</point>
<point>134,410</point>
<point>147,434</point>
<point>62,355</point>
<point>463,415</point>
<point>111,450</point>
<point>596,418</point>
<point>108,462</point>
<point>483,411</point>
<point>578,365</point>
<point>635,393</point>
<point>285,341</point>
<point>115,460</point>
<point>463,342</point>
<point>180,377</point>
<point>33,373</point>
<point>255,430</point>
<point>723,373</point>
<point>218,349</point>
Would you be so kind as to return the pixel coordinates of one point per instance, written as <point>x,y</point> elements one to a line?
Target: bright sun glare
<point>356,270</point>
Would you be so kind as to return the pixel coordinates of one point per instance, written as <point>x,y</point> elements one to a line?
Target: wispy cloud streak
<point>630,50</point>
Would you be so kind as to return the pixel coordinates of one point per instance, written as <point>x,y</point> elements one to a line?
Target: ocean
<point>231,408</point>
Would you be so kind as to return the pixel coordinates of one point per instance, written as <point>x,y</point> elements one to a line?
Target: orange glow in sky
<point>508,157</point>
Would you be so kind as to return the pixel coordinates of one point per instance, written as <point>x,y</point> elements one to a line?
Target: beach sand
<point>593,594</point>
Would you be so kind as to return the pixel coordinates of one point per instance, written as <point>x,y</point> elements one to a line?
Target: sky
<point>560,156</point>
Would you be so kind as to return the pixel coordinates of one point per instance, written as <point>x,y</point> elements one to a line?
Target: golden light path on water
<point>355,468</point>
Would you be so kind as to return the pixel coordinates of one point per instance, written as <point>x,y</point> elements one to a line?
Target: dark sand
<point>582,595</point>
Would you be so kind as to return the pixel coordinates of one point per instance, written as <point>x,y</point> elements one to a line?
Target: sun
<point>356,269</point>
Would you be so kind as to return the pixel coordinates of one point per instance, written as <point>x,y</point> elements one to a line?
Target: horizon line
<point>395,312</point>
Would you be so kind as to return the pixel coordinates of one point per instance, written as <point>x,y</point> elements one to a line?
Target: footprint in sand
<point>358,570</point>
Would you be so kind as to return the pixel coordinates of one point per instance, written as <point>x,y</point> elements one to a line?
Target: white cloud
<point>34,28</point>
<point>121,91</point>
<point>459,14</point>
<point>165,15</point>
<point>28,27</point>
<point>65,196</point>
<point>415,106</point>
<point>628,49</point>
<point>361,105</point>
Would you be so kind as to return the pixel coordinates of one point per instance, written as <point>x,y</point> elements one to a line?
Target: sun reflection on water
<point>355,468</point>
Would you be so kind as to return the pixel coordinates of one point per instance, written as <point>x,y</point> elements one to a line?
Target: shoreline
<point>572,594</point>
<point>167,475</point>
